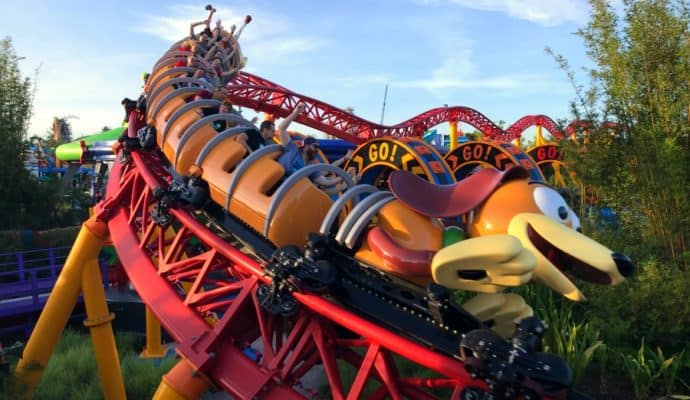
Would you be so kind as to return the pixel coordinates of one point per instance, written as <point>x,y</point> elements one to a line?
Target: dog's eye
<point>552,204</point>
<point>563,212</point>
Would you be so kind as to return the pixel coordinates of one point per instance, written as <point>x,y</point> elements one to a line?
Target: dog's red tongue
<point>552,256</point>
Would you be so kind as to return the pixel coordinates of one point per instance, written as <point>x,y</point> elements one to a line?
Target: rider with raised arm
<point>293,159</point>
<point>206,22</point>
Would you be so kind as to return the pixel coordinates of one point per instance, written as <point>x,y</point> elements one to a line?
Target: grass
<point>72,371</point>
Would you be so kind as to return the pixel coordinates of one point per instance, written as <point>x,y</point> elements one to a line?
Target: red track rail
<point>262,95</point>
<point>586,125</point>
<point>519,126</point>
<point>322,333</point>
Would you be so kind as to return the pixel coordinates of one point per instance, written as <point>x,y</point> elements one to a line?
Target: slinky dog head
<point>506,202</point>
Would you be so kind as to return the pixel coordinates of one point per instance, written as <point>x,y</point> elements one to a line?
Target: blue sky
<point>484,54</point>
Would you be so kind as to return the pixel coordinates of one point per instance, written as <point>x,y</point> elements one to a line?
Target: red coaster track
<point>202,282</point>
<point>519,126</point>
<point>259,94</point>
<point>224,286</point>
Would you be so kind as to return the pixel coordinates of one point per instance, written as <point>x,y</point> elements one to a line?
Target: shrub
<point>576,341</point>
<point>647,368</point>
<point>72,372</point>
<point>650,306</point>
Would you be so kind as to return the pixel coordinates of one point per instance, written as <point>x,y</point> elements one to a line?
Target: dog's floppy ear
<point>447,201</point>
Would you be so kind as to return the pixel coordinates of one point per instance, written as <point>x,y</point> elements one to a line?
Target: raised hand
<point>300,107</point>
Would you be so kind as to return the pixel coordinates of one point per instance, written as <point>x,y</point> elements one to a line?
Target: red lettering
<point>552,152</point>
<point>466,153</point>
<point>477,152</point>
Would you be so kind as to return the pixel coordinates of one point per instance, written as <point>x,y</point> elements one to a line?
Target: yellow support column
<point>540,138</point>
<point>59,306</point>
<point>181,383</point>
<point>98,322</point>
<point>154,348</point>
<point>453,133</point>
<point>558,176</point>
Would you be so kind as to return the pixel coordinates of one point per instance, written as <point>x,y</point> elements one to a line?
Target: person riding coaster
<point>518,229</point>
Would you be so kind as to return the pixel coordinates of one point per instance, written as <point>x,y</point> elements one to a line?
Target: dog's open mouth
<point>566,263</point>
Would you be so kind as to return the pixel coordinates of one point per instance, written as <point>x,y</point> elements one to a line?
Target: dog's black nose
<point>624,264</point>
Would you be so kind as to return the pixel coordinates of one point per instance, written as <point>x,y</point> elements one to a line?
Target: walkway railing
<point>26,279</point>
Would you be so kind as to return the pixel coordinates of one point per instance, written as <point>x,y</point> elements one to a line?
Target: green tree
<point>24,202</point>
<point>15,111</point>
<point>640,80</point>
<point>15,106</point>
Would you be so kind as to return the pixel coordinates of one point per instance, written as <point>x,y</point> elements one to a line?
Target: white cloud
<point>91,92</point>
<point>458,64</point>
<point>175,24</point>
<point>294,45</point>
<point>266,38</point>
<point>458,71</point>
<point>542,12</point>
<point>507,83</point>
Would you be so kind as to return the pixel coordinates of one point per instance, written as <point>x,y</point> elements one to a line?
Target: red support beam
<point>290,347</point>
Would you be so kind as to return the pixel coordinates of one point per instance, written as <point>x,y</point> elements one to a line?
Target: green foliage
<point>72,371</point>
<point>671,374</point>
<point>15,110</point>
<point>576,342</point>
<point>58,237</point>
<point>648,368</point>
<point>640,80</point>
<point>653,306</point>
<point>25,202</point>
<point>621,315</point>
<point>15,105</point>
<point>641,170</point>
<point>142,377</point>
